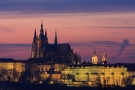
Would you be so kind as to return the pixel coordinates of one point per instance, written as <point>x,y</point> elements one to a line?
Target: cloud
<point>16,51</point>
<point>66,6</point>
<point>116,27</point>
<point>23,51</point>
<point>96,44</point>
<point>123,46</point>
<point>4,48</point>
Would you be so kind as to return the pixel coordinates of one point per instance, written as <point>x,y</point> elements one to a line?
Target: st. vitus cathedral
<point>58,53</point>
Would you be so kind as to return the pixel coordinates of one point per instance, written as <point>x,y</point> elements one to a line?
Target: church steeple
<point>94,53</point>
<point>41,24</point>
<point>35,36</point>
<point>104,54</point>
<point>55,40</point>
<point>41,31</point>
<point>94,58</point>
<point>104,58</point>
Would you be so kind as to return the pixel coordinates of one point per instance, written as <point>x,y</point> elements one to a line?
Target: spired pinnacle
<point>104,54</point>
<point>55,34</point>
<point>45,33</point>
<point>41,31</point>
<point>41,23</point>
<point>94,52</point>
<point>35,36</point>
<point>55,40</point>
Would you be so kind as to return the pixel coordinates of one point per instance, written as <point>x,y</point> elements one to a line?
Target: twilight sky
<point>85,24</point>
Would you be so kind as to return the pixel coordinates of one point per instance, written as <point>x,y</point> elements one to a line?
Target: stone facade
<point>109,75</point>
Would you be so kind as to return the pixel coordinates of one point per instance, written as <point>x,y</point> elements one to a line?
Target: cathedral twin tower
<point>95,58</point>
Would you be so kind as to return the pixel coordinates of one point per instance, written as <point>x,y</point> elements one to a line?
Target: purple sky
<point>85,24</point>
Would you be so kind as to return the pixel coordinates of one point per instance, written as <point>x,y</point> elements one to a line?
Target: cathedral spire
<point>35,36</point>
<point>104,58</point>
<point>45,33</point>
<point>41,31</point>
<point>55,40</point>
<point>41,23</point>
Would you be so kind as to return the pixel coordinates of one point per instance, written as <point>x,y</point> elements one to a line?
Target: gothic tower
<point>34,46</point>
<point>55,39</point>
<point>104,58</point>
<point>60,53</point>
<point>94,58</point>
<point>46,38</point>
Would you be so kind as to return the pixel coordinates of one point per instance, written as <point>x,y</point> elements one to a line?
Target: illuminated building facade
<point>94,58</point>
<point>11,70</point>
<point>109,75</point>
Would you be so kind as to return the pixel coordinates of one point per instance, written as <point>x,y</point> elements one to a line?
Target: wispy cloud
<point>17,51</point>
<point>96,43</point>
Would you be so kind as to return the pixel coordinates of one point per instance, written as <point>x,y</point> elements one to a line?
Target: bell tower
<point>94,58</point>
<point>104,58</point>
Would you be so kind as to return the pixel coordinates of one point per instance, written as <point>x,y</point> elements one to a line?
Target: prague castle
<point>57,63</point>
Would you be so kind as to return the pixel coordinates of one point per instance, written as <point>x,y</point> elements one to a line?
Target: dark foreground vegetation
<point>26,86</point>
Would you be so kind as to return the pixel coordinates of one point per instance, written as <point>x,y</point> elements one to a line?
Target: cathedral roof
<point>58,47</point>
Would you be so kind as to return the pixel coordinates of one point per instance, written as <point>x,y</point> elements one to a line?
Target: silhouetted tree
<point>15,74</point>
<point>3,74</point>
<point>128,81</point>
<point>25,77</point>
<point>72,77</point>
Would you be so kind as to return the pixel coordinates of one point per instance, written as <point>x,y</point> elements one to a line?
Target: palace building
<point>109,75</point>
